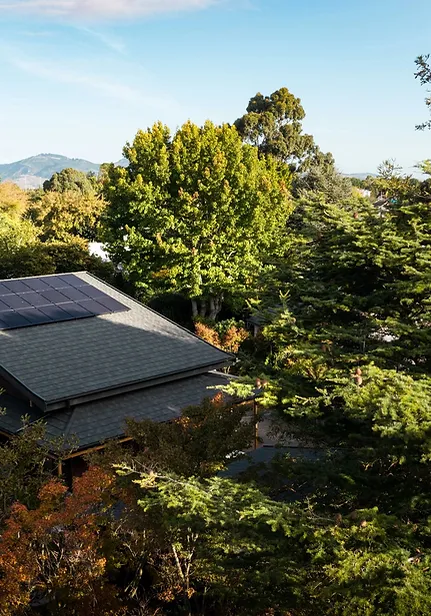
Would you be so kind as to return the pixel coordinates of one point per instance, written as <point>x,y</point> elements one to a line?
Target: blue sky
<point>81,76</point>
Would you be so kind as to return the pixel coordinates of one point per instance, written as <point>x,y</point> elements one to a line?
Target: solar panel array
<point>51,299</point>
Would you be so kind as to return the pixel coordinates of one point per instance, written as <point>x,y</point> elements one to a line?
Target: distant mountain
<point>359,176</point>
<point>32,172</point>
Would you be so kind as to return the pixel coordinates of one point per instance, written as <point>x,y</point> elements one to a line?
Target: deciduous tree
<point>71,180</point>
<point>55,554</point>
<point>197,213</point>
<point>13,200</point>
<point>60,215</point>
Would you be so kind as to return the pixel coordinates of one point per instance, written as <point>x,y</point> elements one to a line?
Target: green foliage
<point>321,179</point>
<point>425,166</point>
<point>44,234</point>
<point>423,73</point>
<point>195,214</point>
<point>350,351</point>
<point>60,215</point>
<point>13,200</point>
<point>197,443</point>
<point>71,180</point>
<point>16,232</point>
<point>236,551</point>
<point>361,183</point>
<point>72,255</point>
<point>20,253</point>
<point>36,258</point>
<point>25,466</point>
<point>273,125</point>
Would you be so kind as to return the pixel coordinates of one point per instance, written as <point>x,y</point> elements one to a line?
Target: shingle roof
<point>60,362</point>
<point>13,410</point>
<point>91,423</point>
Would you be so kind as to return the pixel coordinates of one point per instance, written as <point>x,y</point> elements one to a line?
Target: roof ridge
<point>43,275</point>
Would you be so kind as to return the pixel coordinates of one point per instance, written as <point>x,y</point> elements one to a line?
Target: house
<point>362,192</point>
<point>84,357</point>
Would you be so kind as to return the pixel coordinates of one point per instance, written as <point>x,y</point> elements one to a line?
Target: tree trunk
<point>212,314</point>
<point>194,308</point>
<point>216,302</point>
<point>203,310</point>
<point>210,308</point>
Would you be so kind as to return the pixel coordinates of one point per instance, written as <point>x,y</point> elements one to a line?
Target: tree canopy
<point>61,215</point>
<point>71,180</point>
<point>273,124</point>
<point>196,213</point>
<point>423,73</point>
<point>321,178</point>
<point>13,200</point>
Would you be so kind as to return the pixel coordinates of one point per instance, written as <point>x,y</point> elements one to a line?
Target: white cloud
<point>112,89</point>
<point>110,41</point>
<point>102,8</point>
<point>63,75</point>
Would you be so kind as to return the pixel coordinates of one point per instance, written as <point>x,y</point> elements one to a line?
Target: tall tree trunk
<point>194,308</point>
<point>213,312</point>
<point>203,310</point>
<point>216,303</point>
<point>207,308</point>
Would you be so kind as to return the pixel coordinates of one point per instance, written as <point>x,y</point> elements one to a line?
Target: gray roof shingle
<point>64,361</point>
<point>91,423</point>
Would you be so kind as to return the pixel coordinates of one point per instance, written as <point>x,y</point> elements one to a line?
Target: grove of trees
<point>47,231</point>
<point>244,221</point>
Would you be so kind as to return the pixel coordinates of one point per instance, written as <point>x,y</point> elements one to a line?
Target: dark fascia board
<point>108,392</point>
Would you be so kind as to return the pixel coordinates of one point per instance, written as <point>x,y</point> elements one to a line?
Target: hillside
<point>32,172</point>
<point>360,176</point>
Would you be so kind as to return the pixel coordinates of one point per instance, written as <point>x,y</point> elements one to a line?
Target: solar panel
<point>54,297</point>
<point>34,316</point>
<point>15,301</point>
<point>92,306</point>
<point>13,319</point>
<point>37,284</point>
<point>73,294</point>
<point>15,286</point>
<point>76,311</point>
<point>51,299</point>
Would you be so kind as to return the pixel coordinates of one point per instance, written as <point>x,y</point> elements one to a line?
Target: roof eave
<point>22,389</point>
<point>109,392</point>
